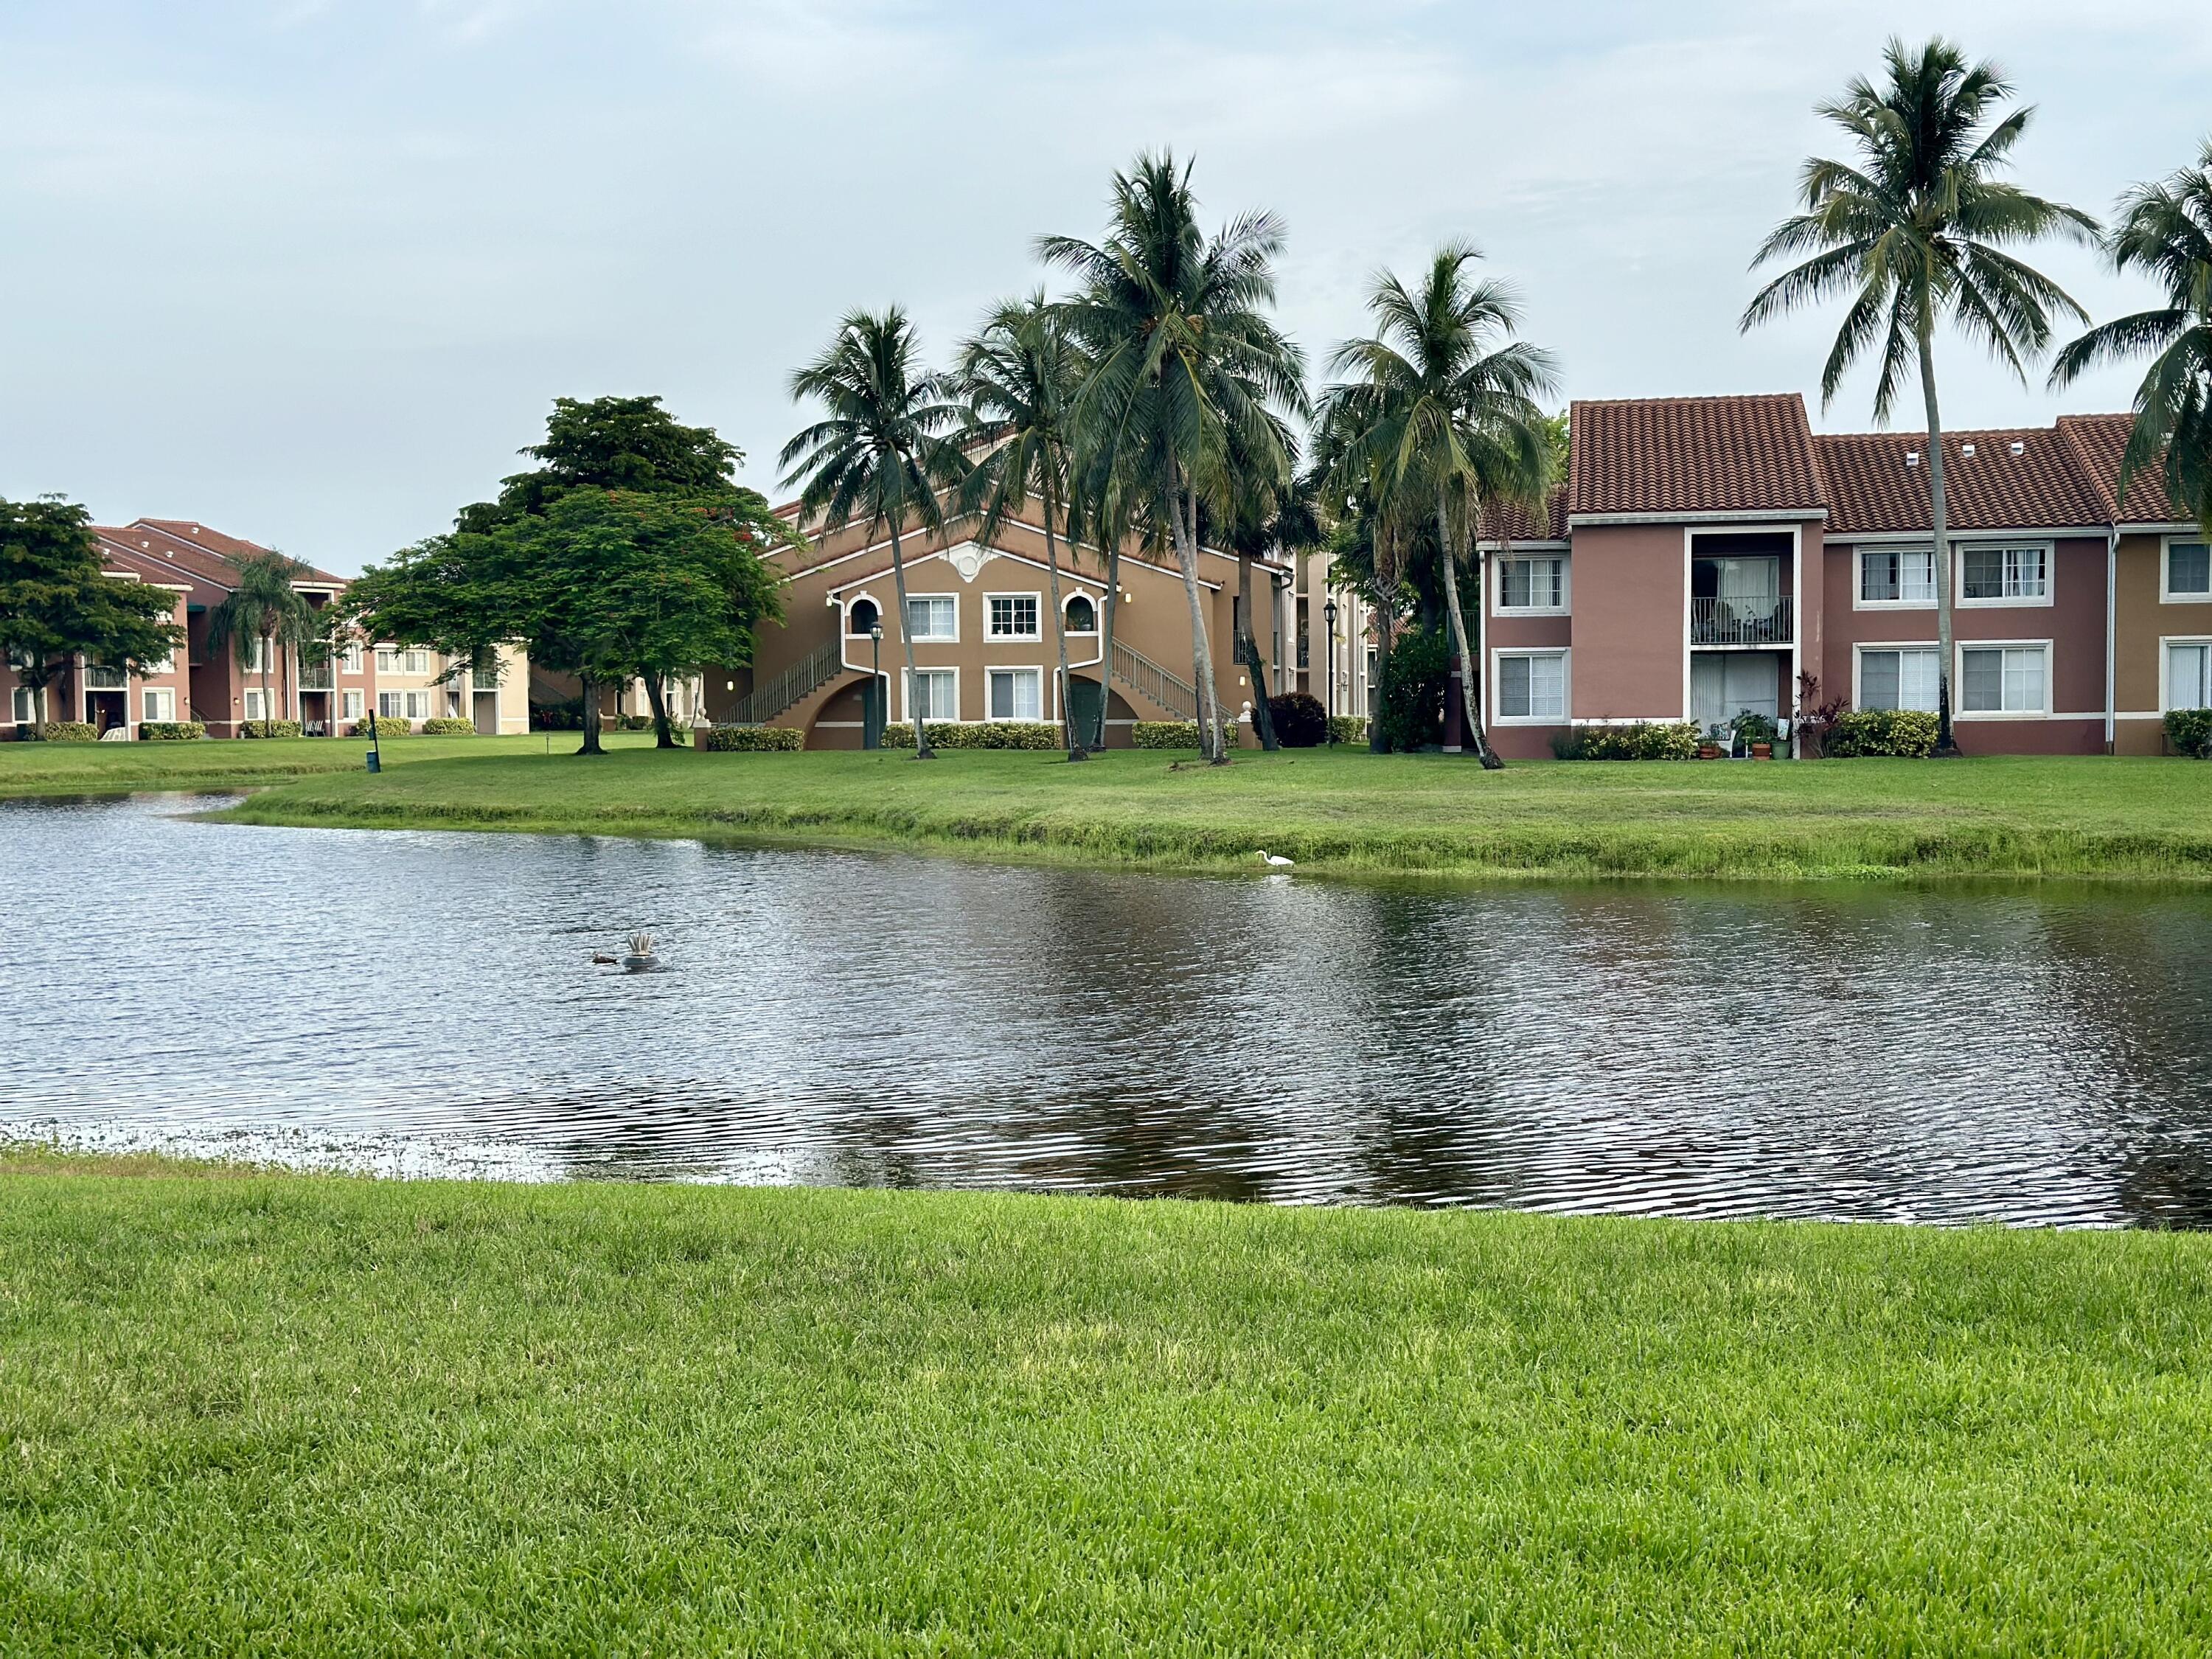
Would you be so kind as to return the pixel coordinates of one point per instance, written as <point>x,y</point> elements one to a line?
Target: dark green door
<point>871,714</point>
<point>1083,697</point>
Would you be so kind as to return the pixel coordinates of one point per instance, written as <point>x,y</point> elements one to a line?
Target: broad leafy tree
<point>264,617</point>
<point>1916,230</point>
<point>2164,231</point>
<point>885,452</point>
<point>56,603</point>
<point>1181,356</point>
<point>1440,414</point>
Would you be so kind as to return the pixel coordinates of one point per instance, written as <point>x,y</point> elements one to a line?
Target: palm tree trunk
<point>1378,742</point>
<point>591,716</point>
<point>922,749</point>
<point>1106,637</point>
<point>1209,741</point>
<point>657,698</point>
<point>1247,646</point>
<point>267,646</point>
<point>1940,518</point>
<point>1469,705</point>
<point>1076,749</point>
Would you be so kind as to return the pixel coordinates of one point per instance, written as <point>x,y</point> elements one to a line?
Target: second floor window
<point>1531,584</point>
<point>1013,616</point>
<point>2188,569</point>
<point>932,618</point>
<point>1897,575</point>
<point>2005,573</point>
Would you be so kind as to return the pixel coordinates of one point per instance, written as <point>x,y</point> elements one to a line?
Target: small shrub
<point>1659,740</point>
<point>899,734</point>
<point>1751,726</point>
<point>449,726</point>
<point>557,716</point>
<point>1418,675</point>
<point>170,731</point>
<point>1300,721</point>
<point>388,727</point>
<point>1905,733</point>
<point>623,723</point>
<point>67,732</point>
<point>268,728</point>
<point>753,739</point>
<point>1347,728</point>
<point>1163,734</point>
<point>2190,731</point>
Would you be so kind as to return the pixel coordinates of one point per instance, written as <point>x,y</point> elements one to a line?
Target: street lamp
<point>877,703</point>
<point>1328,611</point>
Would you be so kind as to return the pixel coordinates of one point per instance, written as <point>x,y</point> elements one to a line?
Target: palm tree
<point>1263,514</point>
<point>1916,233</point>
<point>1441,411</point>
<point>1020,377</point>
<point>883,453</point>
<point>1170,322</point>
<point>2165,230</point>
<point>262,614</point>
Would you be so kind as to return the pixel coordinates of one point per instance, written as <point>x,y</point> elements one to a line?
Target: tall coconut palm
<point>1444,406</point>
<point>262,615</point>
<point>1020,377</point>
<point>883,453</point>
<point>1181,355</point>
<point>2165,230</point>
<point>1915,233</point>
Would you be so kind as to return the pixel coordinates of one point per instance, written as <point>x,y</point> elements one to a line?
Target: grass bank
<point>1349,812</point>
<point>115,769</point>
<point>319,1415</point>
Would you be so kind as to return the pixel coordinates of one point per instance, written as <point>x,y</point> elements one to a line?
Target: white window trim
<point>1073,632</point>
<point>2165,703</point>
<point>1564,608</point>
<point>1933,647</point>
<point>845,611</point>
<point>168,696</point>
<point>2166,593</point>
<point>1044,694</point>
<point>1858,578</point>
<point>1985,543</point>
<point>352,705</point>
<point>1958,710</point>
<point>1034,637</point>
<point>953,638</point>
<point>1495,706</point>
<point>906,686</point>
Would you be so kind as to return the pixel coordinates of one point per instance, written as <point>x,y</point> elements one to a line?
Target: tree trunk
<point>1210,739</point>
<point>590,717</point>
<point>922,749</point>
<point>1077,749</point>
<point>657,699</point>
<point>1106,638</point>
<point>1939,516</point>
<point>1469,704</point>
<point>266,648</point>
<point>1377,743</point>
<point>1247,646</point>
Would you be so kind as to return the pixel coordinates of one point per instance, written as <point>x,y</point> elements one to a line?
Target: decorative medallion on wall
<point>967,559</point>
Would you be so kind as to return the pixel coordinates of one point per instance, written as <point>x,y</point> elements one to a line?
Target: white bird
<point>1276,859</point>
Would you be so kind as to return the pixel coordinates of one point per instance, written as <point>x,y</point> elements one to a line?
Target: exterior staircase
<point>802,679</point>
<point>1178,697</point>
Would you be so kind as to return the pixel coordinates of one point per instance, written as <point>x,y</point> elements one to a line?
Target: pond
<point>423,1004</point>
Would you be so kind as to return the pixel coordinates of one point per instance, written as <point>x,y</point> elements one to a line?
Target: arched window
<point>862,618</point>
<point>1082,615</point>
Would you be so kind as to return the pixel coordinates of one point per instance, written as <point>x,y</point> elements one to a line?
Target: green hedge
<point>624,723</point>
<point>387,727</point>
<point>753,739</point>
<point>268,728</point>
<point>448,726</point>
<point>1163,734</point>
<point>170,731</point>
<point>1347,728</point>
<point>1661,740</point>
<point>2190,731</point>
<point>65,732</point>
<point>977,734</point>
<point>1907,733</point>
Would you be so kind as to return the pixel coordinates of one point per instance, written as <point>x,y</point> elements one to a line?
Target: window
<point>2189,675</point>
<point>862,617</point>
<point>1014,615</point>
<point>933,694</point>
<point>257,657</point>
<point>27,705</point>
<point>1531,685</point>
<point>98,677</point>
<point>2005,573</point>
<point>1016,694</point>
<point>2002,679</point>
<point>416,706</point>
<point>253,703</point>
<point>1901,678</point>
<point>932,618</point>
<point>349,705</point>
<point>158,705</point>
<point>2188,570</point>
<point>392,660</point>
<point>1531,584</point>
<point>1897,575</point>
<point>1082,615</point>
<point>387,705</point>
<point>349,657</point>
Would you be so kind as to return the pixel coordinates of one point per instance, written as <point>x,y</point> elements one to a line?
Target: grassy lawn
<point>94,768</point>
<point>1344,811</point>
<point>317,1415</point>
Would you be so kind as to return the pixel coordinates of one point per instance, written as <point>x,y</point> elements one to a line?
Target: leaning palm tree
<point>262,615</point>
<point>1440,409</point>
<point>2165,230</point>
<point>1916,233</point>
<point>883,453</point>
<point>1020,377</point>
<point>1181,355</point>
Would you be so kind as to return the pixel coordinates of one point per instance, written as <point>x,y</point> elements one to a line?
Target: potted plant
<point>1757,730</point>
<point>1714,741</point>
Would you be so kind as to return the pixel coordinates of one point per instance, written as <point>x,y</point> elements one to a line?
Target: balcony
<point>1753,620</point>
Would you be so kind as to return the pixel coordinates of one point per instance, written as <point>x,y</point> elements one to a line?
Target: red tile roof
<point>1660,457</point>
<point>2098,442</point>
<point>186,545</point>
<point>1502,521</point>
<point>1874,488</point>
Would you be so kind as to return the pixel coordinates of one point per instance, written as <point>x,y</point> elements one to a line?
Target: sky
<point>312,271</point>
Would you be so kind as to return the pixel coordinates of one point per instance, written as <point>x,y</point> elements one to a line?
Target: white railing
<point>1743,620</point>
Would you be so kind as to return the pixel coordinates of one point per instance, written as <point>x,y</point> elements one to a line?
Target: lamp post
<point>1328,611</point>
<point>872,736</point>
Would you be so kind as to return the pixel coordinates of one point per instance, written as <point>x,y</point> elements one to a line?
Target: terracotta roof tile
<point>1660,456</point>
<point>1874,489</point>
<point>1510,522</point>
<point>2098,442</point>
<point>192,547</point>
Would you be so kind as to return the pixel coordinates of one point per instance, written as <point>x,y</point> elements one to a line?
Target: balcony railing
<point>1753,621</point>
<point>316,676</point>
